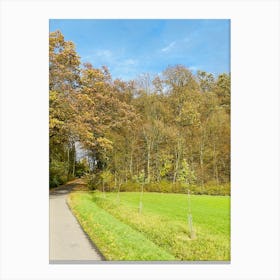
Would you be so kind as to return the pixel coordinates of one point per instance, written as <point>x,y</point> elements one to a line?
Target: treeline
<point>170,130</point>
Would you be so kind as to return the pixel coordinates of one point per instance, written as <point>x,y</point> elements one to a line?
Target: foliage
<point>166,186</point>
<point>93,181</point>
<point>107,178</point>
<point>103,180</point>
<point>58,174</point>
<point>165,165</point>
<point>174,127</point>
<point>140,178</point>
<point>186,175</point>
<point>82,168</point>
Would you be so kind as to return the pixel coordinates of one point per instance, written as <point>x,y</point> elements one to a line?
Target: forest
<point>165,132</point>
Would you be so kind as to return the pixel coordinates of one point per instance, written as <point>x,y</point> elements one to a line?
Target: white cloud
<point>98,55</point>
<point>86,57</point>
<point>104,53</point>
<point>130,61</point>
<point>121,66</point>
<point>195,67</point>
<point>168,47</point>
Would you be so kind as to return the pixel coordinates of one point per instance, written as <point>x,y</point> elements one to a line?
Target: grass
<point>161,231</point>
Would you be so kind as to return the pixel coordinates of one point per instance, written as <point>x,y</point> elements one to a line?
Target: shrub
<point>82,168</point>
<point>93,181</point>
<point>169,187</point>
<point>131,186</point>
<point>107,179</point>
<point>58,174</point>
<point>98,180</point>
<point>211,189</point>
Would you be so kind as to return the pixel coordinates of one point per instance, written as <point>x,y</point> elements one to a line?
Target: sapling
<point>103,189</point>
<point>106,177</point>
<point>141,198</point>
<point>190,216</point>
<point>141,179</point>
<point>118,194</point>
<point>187,176</point>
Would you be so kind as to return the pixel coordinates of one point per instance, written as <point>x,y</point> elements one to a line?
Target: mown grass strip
<point>115,239</point>
<point>164,221</point>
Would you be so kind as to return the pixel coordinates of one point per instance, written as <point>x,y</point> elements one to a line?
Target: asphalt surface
<point>68,242</point>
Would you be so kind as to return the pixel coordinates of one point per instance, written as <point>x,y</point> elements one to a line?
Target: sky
<point>133,47</point>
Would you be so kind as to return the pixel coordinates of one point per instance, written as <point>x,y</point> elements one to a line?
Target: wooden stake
<point>192,235</point>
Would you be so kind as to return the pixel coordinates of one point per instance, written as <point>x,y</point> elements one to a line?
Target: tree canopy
<point>171,127</point>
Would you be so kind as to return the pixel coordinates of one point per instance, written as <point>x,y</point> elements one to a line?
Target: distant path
<point>68,242</point>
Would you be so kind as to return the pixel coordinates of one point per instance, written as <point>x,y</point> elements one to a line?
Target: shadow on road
<point>68,187</point>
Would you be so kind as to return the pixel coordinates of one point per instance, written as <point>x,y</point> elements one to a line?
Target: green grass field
<point>161,231</point>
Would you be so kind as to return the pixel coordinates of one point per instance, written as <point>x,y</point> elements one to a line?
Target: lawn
<point>160,231</point>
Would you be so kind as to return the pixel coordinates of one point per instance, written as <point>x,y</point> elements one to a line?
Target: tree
<point>206,81</point>
<point>186,175</point>
<point>63,83</point>
<point>174,126</point>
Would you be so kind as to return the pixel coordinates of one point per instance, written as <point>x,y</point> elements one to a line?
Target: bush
<point>169,187</point>
<point>219,190</point>
<point>211,189</point>
<point>164,186</point>
<point>54,182</point>
<point>96,181</point>
<point>107,179</point>
<point>131,186</point>
<point>82,168</point>
<point>93,181</point>
<point>58,174</point>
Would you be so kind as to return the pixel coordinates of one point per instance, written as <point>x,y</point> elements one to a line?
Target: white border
<point>255,137</point>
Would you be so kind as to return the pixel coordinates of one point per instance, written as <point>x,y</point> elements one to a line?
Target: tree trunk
<point>215,167</point>
<point>68,162</point>
<point>177,161</point>
<point>201,155</point>
<point>103,189</point>
<point>176,168</point>
<point>74,162</point>
<point>131,164</point>
<point>148,163</point>
<point>202,143</point>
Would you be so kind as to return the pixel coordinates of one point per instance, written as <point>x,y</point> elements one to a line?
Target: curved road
<point>68,242</point>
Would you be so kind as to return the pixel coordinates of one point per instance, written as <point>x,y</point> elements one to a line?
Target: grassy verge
<point>163,223</point>
<point>115,240</point>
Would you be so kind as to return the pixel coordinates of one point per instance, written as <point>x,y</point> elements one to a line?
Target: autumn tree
<point>173,127</point>
<point>64,80</point>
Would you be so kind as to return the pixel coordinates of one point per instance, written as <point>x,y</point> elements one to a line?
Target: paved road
<point>68,242</point>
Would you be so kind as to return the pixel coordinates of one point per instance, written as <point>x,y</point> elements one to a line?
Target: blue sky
<point>132,47</point>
